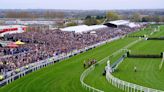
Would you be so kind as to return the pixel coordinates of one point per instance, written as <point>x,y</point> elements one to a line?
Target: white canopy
<point>133,25</point>
<point>82,28</point>
<point>11,26</point>
<point>119,22</point>
<point>94,27</point>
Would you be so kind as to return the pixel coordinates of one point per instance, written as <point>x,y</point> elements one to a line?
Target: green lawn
<point>148,73</point>
<point>96,79</point>
<point>65,76</point>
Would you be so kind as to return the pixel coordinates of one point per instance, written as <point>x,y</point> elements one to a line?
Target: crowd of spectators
<point>44,44</point>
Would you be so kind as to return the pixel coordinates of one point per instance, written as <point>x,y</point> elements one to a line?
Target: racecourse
<point>153,47</point>
<point>148,73</point>
<point>65,76</point>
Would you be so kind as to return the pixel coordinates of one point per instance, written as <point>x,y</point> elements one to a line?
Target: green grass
<point>148,73</point>
<point>97,80</point>
<point>142,32</point>
<point>148,47</point>
<point>65,76</point>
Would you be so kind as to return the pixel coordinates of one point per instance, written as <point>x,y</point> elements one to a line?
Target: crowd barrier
<point>110,78</point>
<point>86,86</point>
<point>11,76</point>
<point>127,86</point>
<point>90,69</point>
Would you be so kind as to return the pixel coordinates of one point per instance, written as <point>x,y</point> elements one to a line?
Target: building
<point>117,23</point>
<point>83,28</point>
<point>122,23</point>
<point>10,29</point>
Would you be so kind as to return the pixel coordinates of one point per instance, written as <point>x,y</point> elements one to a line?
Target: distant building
<point>37,22</point>
<point>122,23</point>
<point>10,29</point>
<point>117,23</point>
<point>83,28</point>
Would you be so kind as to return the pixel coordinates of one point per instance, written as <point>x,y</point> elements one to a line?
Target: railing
<point>85,74</point>
<point>127,86</point>
<point>162,61</point>
<point>90,69</point>
<point>115,81</point>
<point>86,86</point>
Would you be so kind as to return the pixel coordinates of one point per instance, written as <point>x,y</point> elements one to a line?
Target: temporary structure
<point>19,42</point>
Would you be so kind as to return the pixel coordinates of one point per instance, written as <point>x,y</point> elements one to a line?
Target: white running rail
<point>90,69</point>
<point>162,61</point>
<point>127,86</point>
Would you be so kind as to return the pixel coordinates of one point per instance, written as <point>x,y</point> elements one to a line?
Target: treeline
<point>25,14</point>
<point>112,15</point>
<point>136,17</point>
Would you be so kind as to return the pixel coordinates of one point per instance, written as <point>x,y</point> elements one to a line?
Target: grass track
<point>95,78</point>
<point>148,73</point>
<point>64,76</point>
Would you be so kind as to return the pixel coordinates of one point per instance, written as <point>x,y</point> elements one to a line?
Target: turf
<point>65,76</point>
<point>148,73</point>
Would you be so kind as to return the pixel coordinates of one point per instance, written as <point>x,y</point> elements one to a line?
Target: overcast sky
<point>81,4</point>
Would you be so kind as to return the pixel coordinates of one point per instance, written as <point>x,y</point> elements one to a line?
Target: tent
<point>117,23</point>
<point>19,42</point>
<point>83,28</point>
<point>1,77</point>
<point>11,45</point>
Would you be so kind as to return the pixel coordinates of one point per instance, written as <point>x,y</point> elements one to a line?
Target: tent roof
<point>94,27</point>
<point>119,22</point>
<point>11,26</point>
<point>19,42</point>
<point>82,28</point>
<point>77,29</point>
<point>132,25</point>
<point>11,45</point>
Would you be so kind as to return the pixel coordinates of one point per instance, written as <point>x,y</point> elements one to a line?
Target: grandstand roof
<point>97,27</point>
<point>132,25</point>
<point>119,22</point>
<point>11,26</point>
<point>83,28</point>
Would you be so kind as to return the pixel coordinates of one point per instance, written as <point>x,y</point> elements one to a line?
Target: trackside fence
<point>127,86</point>
<point>90,69</point>
<point>86,86</point>
<point>85,74</point>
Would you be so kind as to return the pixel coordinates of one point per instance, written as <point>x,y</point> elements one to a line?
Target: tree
<point>90,21</point>
<point>71,24</point>
<point>112,16</point>
<point>88,17</point>
<point>59,24</point>
<point>53,14</point>
<point>152,19</point>
<point>146,19</point>
<point>99,17</point>
<point>136,17</point>
<point>22,14</point>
